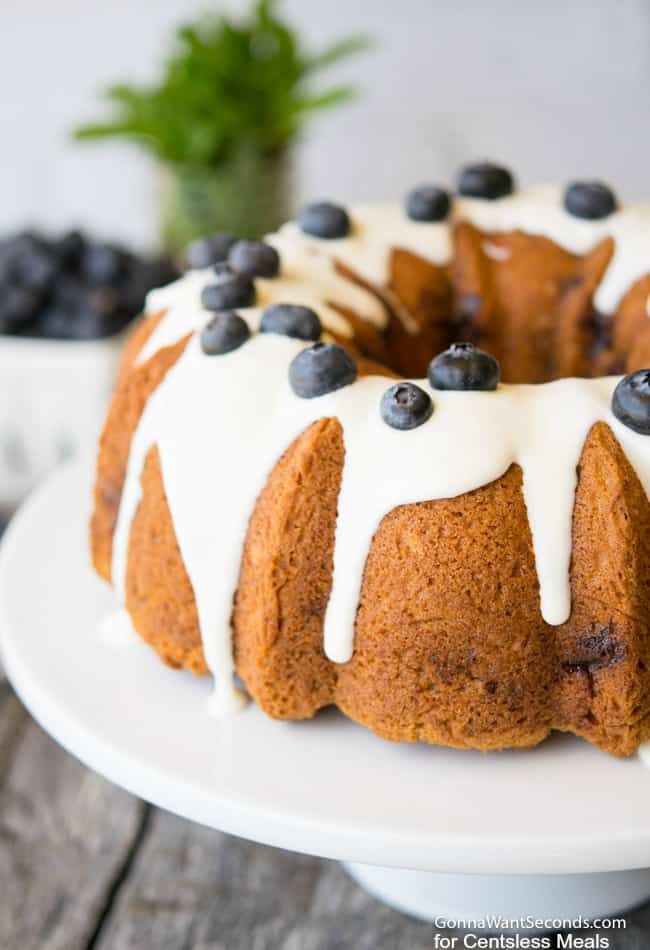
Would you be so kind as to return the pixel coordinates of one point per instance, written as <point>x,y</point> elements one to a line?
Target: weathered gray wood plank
<point>65,837</point>
<point>84,866</point>
<point>194,889</point>
<point>190,887</point>
<point>13,720</point>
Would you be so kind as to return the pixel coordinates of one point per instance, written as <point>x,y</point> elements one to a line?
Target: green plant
<point>226,86</point>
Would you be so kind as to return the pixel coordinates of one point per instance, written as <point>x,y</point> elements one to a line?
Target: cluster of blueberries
<point>237,262</point>
<point>322,367</point>
<point>583,199</point>
<point>326,367</point>
<point>72,288</point>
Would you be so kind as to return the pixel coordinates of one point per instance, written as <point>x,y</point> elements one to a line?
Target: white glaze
<point>375,230</point>
<point>221,423</point>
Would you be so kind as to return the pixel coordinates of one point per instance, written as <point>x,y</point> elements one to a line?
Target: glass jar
<point>248,196</point>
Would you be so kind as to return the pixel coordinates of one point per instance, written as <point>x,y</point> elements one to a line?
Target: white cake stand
<point>555,832</point>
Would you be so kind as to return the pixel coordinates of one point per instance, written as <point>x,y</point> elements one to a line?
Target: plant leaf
<point>327,99</point>
<point>344,48</point>
<point>226,85</point>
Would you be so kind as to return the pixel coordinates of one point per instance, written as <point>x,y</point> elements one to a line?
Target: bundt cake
<point>397,459</point>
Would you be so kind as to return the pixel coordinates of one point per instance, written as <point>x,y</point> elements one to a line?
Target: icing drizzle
<point>242,400</point>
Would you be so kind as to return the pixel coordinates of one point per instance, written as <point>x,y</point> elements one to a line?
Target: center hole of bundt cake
<point>520,297</point>
<point>532,343</point>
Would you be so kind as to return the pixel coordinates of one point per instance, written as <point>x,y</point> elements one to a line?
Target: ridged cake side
<point>450,646</point>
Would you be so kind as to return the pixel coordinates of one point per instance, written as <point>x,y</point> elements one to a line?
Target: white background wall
<point>555,89</point>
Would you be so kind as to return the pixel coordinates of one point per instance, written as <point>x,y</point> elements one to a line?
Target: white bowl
<point>53,396</point>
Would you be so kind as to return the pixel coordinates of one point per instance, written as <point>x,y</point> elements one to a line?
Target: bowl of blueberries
<point>65,305</point>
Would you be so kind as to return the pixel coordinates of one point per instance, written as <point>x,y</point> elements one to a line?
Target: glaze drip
<point>243,400</point>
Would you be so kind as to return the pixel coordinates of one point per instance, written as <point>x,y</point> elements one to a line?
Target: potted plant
<point>231,100</point>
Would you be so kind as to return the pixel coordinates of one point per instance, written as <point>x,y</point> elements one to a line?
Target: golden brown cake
<point>462,559</point>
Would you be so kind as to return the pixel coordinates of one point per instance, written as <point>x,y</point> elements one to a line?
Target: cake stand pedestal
<point>511,897</point>
<point>557,831</point>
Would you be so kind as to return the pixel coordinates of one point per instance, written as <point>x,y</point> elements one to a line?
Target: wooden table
<point>86,866</point>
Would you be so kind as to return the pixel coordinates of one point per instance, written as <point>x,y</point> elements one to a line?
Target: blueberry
<point>133,291</point>
<point>105,301</point>
<point>221,269</point>
<point>55,323</point>
<point>464,366</point>
<point>17,245</point>
<point>428,203</point>
<point>156,271</point>
<point>228,291</point>
<point>69,292</point>
<point>254,259</point>
<point>321,368</point>
<point>78,312</point>
<point>485,180</point>
<point>36,268</point>
<point>208,250</point>
<point>7,261</point>
<point>405,406</point>
<point>70,248</point>
<point>631,401</point>
<point>145,274</point>
<point>226,331</point>
<point>6,271</point>
<point>94,325</point>
<point>19,307</point>
<point>589,199</point>
<point>104,264</point>
<point>289,319</point>
<point>26,259</point>
<point>324,220</point>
